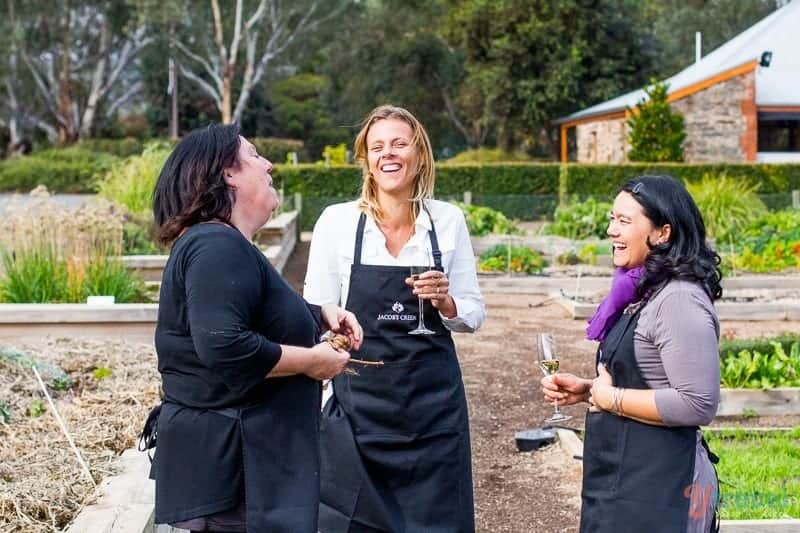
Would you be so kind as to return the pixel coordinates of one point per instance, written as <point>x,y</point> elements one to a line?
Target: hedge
<point>68,170</point>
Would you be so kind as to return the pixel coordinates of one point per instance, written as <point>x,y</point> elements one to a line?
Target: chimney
<point>698,46</point>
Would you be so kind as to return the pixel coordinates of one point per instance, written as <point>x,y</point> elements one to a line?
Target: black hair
<point>191,187</point>
<point>686,255</point>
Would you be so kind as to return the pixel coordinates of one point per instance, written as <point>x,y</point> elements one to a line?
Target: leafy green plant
<point>505,258</point>
<point>770,243</point>
<point>656,131</point>
<point>589,252</point>
<point>101,372</point>
<point>69,170</point>
<point>36,409</point>
<point>568,258</point>
<point>485,220</point>
<point>334,155</point>
<point>732,346</point>
<point>762,370</point>
<point>728,205</point>
<point>137,235</point>
<point>130,183</point>
<point>5,413</point>
<point>581,220</point>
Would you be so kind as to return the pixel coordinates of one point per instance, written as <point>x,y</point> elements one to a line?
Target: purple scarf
<point>623,293</point>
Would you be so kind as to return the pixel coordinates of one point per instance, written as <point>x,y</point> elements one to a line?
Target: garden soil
<point>115,383</point>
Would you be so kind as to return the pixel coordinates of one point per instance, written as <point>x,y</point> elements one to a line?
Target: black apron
<point>635,475</point>
<point>395,446</point>
<point>280,496</point>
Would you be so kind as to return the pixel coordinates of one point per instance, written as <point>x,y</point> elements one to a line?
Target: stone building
<point>740,103</point>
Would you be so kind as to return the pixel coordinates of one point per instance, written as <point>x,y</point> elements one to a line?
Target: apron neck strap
<point>437,254</point>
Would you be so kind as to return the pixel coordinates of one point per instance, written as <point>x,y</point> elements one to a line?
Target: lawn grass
<point>759,473</point>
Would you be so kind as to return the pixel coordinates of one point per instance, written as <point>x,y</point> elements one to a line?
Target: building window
<point>779,132</point>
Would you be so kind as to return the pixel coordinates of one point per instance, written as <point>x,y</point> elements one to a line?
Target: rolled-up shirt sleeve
<point>222,284</point>
<point>686,334</point>
<point>464,284</point>
<point>322,282</point>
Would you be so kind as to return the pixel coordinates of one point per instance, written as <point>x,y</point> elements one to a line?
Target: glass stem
<point>421,323</point>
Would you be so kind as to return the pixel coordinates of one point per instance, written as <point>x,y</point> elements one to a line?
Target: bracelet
<point>617,394</point>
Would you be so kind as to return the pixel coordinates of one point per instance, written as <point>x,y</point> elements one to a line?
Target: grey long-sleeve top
<point>676,345</point>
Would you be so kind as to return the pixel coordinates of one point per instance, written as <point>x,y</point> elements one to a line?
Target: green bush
<point>130,182</point>
<point>766,369</point>
<point>727,205</point>
<point>488,155</point>
<point>137,235</point>
<point>64,170</point>
<point>604,181</point>
<point>276,148</point>
<point>484,220</point>
<point>119,147</point>
<point>581,220</point>
<point>656,131</point>
<point>505,258</point>
<point>589,252</point>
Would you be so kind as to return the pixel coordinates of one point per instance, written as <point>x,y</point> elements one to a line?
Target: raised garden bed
<point>781,304</point>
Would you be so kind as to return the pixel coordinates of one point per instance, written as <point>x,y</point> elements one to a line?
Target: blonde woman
<point>395,436</point>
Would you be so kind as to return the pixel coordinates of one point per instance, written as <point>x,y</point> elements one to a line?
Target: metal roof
<point>776,85</point>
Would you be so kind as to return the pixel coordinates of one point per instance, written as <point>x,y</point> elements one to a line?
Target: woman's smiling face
<point>630,231</point>
<point>392,157</point>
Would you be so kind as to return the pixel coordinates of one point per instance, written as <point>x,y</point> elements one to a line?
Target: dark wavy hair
<point>686,255</point>
<point>191,187</point>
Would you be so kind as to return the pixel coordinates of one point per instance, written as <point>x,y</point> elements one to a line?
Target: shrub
<point>119,147</point>
<point>581,220</point>
<point>505,258</point>
<point>762,370</point>
<point>589,252</point>
<point>276,148</point>
<point>728,206</point>
<point>656,132</point>
<point>130,182</point>
<point>65,170</point>
<point>488,155</point>
<point>484,220</point>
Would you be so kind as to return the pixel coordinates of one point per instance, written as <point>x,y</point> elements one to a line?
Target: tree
<point>656,132</point>
<point>79,54</point>
<point>219,60</point>
<point>531,61</point>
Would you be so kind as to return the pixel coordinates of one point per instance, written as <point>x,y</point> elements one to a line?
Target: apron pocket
<point>411,399</point>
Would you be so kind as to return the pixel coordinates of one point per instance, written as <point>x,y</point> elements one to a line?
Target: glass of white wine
<point>548,363</point>
<point>415,272</point>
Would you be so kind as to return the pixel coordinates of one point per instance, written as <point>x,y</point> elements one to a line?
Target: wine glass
<point>548,363</point>
<point>416,271</point>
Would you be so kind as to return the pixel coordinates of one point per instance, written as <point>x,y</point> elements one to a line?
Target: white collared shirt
<point>333,247</point>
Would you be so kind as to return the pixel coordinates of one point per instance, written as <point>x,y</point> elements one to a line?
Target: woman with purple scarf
<point>646,466</point>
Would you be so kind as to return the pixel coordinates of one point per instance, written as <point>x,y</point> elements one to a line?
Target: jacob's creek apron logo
<point>396,314</point>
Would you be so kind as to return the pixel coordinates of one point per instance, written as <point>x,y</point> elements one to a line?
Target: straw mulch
<point>112,385</point>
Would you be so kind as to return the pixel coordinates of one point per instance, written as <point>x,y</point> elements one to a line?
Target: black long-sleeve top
<point>223,313</point>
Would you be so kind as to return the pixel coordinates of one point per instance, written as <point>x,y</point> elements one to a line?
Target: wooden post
<point>796,199</point>
<point>468,197</point>
<point>298,202</point>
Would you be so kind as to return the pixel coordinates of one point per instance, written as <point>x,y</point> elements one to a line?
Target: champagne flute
<point>416,271</point>
<point>548,363</point>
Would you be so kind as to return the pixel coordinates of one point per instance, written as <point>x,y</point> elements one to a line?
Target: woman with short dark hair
<point>646,465</point>
<point>238,351</point>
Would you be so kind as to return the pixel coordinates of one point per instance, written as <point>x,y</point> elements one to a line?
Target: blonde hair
<point>425,175</point>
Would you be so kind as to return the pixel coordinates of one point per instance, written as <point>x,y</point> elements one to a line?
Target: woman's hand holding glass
<point>435,287</point>
<point>565,388</point>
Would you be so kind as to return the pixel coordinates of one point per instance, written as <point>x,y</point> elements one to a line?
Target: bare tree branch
<point>202,83</point>
<point>127,95</point>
